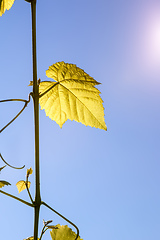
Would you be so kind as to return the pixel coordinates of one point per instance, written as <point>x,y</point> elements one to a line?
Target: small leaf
<point>29,171</point>
<point>5,5</point>
<point>3,183</point>
<point>21,185</point>
<point>63,233</point>
<point>73,96</point>
<point>2,168</point>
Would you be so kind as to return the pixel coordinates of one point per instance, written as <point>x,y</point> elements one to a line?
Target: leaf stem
<point>41,95</point>
<point>45,204</point>
<point>19,199</point>
<point>42,232</point>
<point>26,183</point>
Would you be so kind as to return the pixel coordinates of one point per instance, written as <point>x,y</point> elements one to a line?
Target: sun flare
<point>154,40</point>
<point>146,44</point>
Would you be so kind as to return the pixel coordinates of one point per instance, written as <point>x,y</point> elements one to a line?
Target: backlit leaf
<point>73,96</point>
<point>63,233</point>
<point>3,183</point>
<point>21,185</point>
<point>5,5</point>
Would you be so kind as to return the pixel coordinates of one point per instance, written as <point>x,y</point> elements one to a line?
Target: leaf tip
<point>3,183</point>
<point>5,5</point>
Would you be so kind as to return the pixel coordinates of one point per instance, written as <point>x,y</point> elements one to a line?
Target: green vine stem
<point>46,227</point>
<point>19,199</point>
<point>42,232</point>
<point>35,96</point>
<point>26,183</point>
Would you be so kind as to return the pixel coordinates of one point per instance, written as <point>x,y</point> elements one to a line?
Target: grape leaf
<point>73,96</point>
<point>3,183</point>
<point>63,233</point>
<point>21,185</point>
<point>5,5</point>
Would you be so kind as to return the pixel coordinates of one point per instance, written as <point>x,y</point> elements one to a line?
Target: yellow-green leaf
<point>63,233</point>
<point>29,171</point>
<point>5,5</point>
<point>3,183</point>
<point>21,185</point>
<point>73,96</point>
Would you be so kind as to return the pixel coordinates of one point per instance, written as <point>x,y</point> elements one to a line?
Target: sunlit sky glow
<point>146,42</point>
<point>152,40</point>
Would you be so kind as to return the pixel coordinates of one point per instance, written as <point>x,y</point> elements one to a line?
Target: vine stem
<point>26,183</point>
<point>37,201</point>
<point>19,199</point>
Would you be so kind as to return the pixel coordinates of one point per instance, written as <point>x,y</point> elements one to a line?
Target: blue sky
<point>107,183</point>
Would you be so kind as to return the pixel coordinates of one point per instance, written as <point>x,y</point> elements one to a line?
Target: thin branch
<point>42,232</point>
<point>25,105</point>
<point>19,199</point>
<point>63,218</point>
<point>9,164</point>
<point>45,228</point>
<point>26,183</point>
